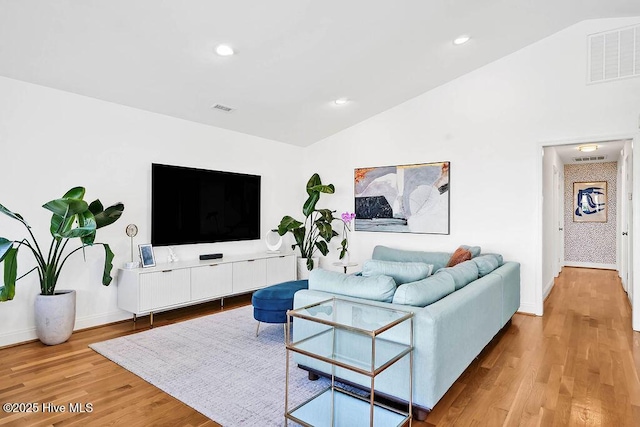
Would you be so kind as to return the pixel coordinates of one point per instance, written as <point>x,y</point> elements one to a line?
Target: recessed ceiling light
<point>588,148</point>
<point>224,50</point>
<point>461,39</point>
<point>341,101</point>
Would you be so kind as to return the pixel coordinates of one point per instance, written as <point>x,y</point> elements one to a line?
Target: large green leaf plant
<point>315,232</point>
<point>73,218</point>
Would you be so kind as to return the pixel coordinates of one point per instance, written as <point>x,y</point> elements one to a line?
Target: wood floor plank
<point>576,365</point>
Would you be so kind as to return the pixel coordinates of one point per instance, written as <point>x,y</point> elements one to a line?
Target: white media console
<point>172,285</point>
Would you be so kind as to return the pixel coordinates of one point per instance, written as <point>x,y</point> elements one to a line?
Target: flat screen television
<point>203,206</point>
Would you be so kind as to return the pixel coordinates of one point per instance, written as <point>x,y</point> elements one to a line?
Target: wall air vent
<point>614,55</point>
<point>221,107</point>
<point>583,159</point>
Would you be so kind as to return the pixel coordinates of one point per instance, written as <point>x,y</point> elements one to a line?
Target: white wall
<point>490,124</point>
<point>550,239</point>
<point>51,141</point>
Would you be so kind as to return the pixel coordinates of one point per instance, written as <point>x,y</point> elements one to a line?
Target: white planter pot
<point>55,316</point>
<point>303,272</point>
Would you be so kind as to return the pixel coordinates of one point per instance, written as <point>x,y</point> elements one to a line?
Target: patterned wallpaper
<point>590,242</point>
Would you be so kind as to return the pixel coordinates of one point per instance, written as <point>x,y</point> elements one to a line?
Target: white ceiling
<point>294,57</point>
<point>609,149</point>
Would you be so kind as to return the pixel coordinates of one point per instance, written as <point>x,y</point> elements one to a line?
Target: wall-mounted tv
<point>203,206</point>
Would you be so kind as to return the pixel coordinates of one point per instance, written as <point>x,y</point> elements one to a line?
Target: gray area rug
<point>217,365</point>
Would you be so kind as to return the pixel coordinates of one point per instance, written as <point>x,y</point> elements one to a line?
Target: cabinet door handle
<point>166,271</point>
<point>213,265</point>
<point>250,260</point>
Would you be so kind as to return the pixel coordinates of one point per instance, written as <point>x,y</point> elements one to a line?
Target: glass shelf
<point>348,410</point>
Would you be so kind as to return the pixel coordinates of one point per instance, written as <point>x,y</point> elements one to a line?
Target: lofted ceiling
<point>294,57</point>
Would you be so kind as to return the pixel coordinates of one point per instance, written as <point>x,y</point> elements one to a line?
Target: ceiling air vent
<point>221,107</point>
<point>589,159</point>
<point>614,55</point>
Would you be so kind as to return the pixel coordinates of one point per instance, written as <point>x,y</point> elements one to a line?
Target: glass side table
<point>343,328</point>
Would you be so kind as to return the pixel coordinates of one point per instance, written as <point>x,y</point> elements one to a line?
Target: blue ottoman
<point>270,304</point>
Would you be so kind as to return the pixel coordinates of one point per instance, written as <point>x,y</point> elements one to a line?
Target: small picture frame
<point>147,256</point>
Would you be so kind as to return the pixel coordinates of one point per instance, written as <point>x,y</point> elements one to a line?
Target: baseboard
<point>526,308</point>
<point>29,334</point>
<point>547,289</point>
<point>590,265</point>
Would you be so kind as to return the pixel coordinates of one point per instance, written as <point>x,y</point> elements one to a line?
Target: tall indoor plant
<point>315,231</point>
<point>72,218</point>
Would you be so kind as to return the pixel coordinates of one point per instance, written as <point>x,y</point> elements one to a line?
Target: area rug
<point>217,365</point>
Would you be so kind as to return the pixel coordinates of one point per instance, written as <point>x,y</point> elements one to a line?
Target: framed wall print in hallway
<point>590,201</point>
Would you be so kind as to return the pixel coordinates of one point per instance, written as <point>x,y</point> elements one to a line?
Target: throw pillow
<point>402,272</point>
<point>425,291</point>
<point>460,255</point>
<point>475,250</point>
<point>376,288</point>
<point>486,264</point>
<point>463,273</point>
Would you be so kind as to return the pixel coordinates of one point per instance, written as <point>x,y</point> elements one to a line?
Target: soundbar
<point>210,256</point>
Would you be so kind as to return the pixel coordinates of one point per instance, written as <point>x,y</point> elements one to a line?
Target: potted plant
<point>315,231</point>
<point>72,218</point>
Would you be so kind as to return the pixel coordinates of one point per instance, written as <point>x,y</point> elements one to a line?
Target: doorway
<point>557,204</point>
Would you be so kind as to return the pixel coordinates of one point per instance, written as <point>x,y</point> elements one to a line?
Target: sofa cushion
<point>486,264</point>
<point>460,255</point>
<point>437,259</point>
<point>462,274</point>
<point>402,272</point>
<point>376,288</point>
<point>475,250</point>
<point>425,291</point>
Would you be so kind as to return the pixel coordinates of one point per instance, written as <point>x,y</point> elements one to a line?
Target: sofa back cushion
<point>425,291</point>
<point>487,263</point>
<point>437,259</point>
<point>402,272</point>
<point>375,288</point>
<point>462,274</point>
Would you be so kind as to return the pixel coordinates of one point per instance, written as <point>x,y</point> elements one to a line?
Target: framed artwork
<point>590,201</point>
<point>146,255</point>
<point>404,199</point>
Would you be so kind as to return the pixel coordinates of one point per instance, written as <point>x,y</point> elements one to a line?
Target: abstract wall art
<point>590,201</point>
<point>405,199</point>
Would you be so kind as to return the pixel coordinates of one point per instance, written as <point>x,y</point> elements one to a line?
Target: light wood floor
<point>577,365</point>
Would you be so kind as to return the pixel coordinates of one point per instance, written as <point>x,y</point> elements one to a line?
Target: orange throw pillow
<point>460,255</point>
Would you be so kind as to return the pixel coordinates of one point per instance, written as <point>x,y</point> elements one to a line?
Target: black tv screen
<point>203,206</point>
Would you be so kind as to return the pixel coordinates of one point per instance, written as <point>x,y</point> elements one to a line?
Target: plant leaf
<point>310,205</point>
<point>322,247</point>
<point>108,265</point>
<point>107,216</point>
<point>325,230</point>
<point>96,207</point>
<point>60,224</point>
<point>76,232</point>
<point>5,245</point>
<point>309,263</point>
<point>313,181</point>
<point>327,189</point>
<point>8,291</point>
<point>298,235</point>
<point>288,224</point>
<point>87,220</point>
<point>75,193</point>
<point>13,215</point>
<point>66,207</point>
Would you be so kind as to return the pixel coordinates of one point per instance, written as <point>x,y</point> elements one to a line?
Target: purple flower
<point>347,217</point>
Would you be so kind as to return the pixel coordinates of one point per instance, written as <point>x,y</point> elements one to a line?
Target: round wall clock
<point>132,230</point>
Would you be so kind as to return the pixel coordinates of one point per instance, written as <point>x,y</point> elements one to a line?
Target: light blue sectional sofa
<point>457,312</point>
